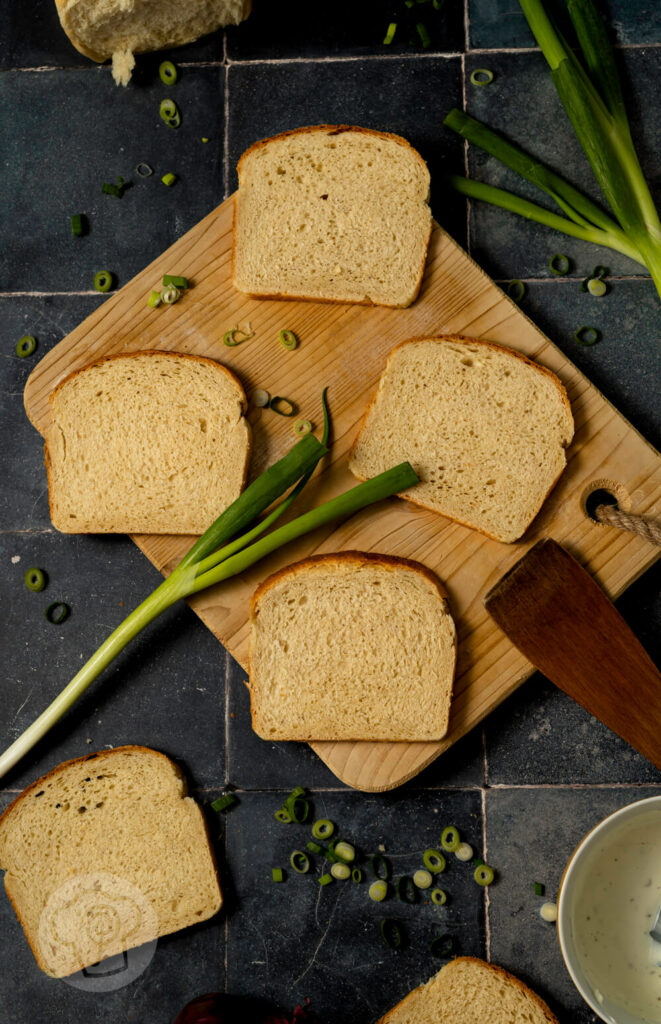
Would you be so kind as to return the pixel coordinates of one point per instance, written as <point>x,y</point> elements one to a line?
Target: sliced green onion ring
<point>175,280</point>
<point>57,612</point>
<point>298,808</point>
<point>77,225</point>
<point>169,112</point>
<point>390,34</point>
<point>169,179</point>
<point>168,73</point>
<point>26,346</point>
<point>559,264</point>
<point>406,890</point>
<point>381,866</point>
<point>314,848</point>
<point>434,861</point>
<point>154,300</point>
<point>288,339</point>
<point>483,875</point>
<point>170,295</point>
<point>223,803</point>
<point>302,427</point>
<point>260,398</point>
<point>341,871</point>
<point>103,281</point>
<point>323,828</point>
<point>35,580</point>
<point>325,879</point>
<point>144,170</point>
<point>422,878</point>
<point>356,875</point>
<point>597,286</point>
<point>538,888</point>
<point>464,852</point>
<point>422,31</point>
<point>441,946</point>
<point>283,815</point>
<point>378,890</point>
<point>391,933</point>
<point>235,336</point>
<point>282,405</point>
<point>450,839</point>
<point>600,271</point>
<point>516,290</point>
<point>300,862</point>
<point>345,851</point>
<point>277,874</point>
<point>439,897</point>
<point>587,336</point>
<point>481,76</point>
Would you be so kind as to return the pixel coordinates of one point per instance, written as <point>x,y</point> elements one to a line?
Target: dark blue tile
<point>23,487</point>
<point>399,96</point>
<point>65,133</point>
<point>33,37</point>
<point>295,940</point>
<point>521,103</point>
<point>531,833</point>
<point>297,28</point>
<point>27,996</point>
<point>166,690</point>
<point>499,23</point>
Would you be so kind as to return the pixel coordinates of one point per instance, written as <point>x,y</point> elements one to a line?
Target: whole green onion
<point>229,547</point>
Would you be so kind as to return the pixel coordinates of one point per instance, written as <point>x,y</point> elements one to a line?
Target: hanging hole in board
<point>604,492</point>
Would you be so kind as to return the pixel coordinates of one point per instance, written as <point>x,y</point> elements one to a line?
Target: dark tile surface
<point>166,691</point>
<point>506,245</point>
<point>297,939</point>
<point>531,834</point>
<point>376,94</point>
<point>294,29</point>
<point>499,23</point>
<point>89,132</point>
<point>62,133</point>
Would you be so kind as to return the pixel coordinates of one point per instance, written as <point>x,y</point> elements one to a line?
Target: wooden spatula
<point>560,619</point>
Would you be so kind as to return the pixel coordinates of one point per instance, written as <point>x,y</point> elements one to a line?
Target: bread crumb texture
<point>351,647</point>
<point>103,854</point>
<point>103,29</point>
<point>470,991</point>
<point>151,442</point>
<point>484,428</point>
<point>332,213</point>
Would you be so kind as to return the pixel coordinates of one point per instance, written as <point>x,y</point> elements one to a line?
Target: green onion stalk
<point>232,544</point>
<point>593,100</point>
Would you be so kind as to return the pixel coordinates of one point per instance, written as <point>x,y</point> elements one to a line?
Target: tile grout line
<point>466,29</point>
<point>226,133</point>
<point>487,899</point>
<point>477,788</point>
<point>463,101</point>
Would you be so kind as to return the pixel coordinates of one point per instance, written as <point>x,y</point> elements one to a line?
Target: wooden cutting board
<point>345,347</point>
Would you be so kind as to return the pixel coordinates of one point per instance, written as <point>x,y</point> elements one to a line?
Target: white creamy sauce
<point>617,901</point>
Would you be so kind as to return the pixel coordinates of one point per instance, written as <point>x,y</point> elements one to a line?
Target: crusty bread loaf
<point>149,442</point>
<point>104,29</point>
<point>470,991</point>
<point>106,853</point>
<point>484,428</point>
<point>332,213</point>
<point>351,646</point>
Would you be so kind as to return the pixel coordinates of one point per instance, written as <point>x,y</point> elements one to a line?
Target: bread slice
<point>484,428</point>
<point>333,213</point>
<point>470,991</point>
<point>105,853</point>
<point>103,29</point>
<point>150,442</point>
<point>351,646</point>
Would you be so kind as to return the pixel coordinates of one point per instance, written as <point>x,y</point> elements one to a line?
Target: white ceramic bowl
<point>573,882</point>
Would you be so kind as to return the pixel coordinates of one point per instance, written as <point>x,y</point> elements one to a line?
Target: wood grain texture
<point>346,347</point>
<point>561,620</point>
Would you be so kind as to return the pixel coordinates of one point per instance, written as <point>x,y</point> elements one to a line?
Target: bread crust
<point>330,129</point>
<point>499,971</point>
<point>65,765</point>
<point>463,339</point>
<point>151,352</point>
<point>358,559</point>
